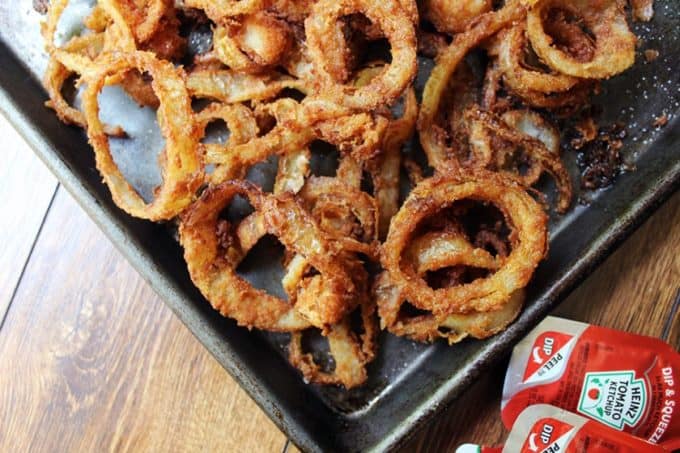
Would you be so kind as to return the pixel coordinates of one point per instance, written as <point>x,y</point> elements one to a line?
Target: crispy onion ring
<point>213,270</point>
<point>447,62</point>
<point>49,27</point>
<point>358,134</point>
<point>350,354</point>
<point>253,44</point>
<point>231,86</point>
<point>518,75</point>
<point>534,125</point>
<point>397,28</point>
<point>143,16</point>
<point>57,74</point>
<point>182,166</point>
<point>454,16</point>
<point>281,216</point>
<point>540,158</point>
<point>221,10</point>
<point>452,327</point>
<point>385,169</point>
<point>345,212</point>
<point>240,122</point>
<point>614,43</point>
<point>524,217</point>
<point>330,199</point>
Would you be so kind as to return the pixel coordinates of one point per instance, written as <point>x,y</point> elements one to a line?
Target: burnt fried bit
<point>601,160</point>
<point>651,55</point>
<point>660,121</point>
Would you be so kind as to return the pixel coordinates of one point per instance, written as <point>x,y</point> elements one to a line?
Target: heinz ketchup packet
<point>547,429</point>
<point>625,381</point>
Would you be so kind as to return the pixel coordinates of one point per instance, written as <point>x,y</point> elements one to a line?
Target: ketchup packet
<point>627,382</point>
<point>547,429</point>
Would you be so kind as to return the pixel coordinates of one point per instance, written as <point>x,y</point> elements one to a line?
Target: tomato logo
<point>594,394</point>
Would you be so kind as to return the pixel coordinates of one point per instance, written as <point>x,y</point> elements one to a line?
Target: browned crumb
<point>601,160</point>
<point>643,10</point>
<point>660,121</point>
<point>587,130</point>
<point>651,55</point>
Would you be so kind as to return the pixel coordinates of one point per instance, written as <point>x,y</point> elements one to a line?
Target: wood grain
<point>26,188</point>
<point>633,290</point>
<point>92,360</point>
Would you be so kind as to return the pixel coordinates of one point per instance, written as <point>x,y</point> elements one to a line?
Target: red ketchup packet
<point>547,429</point>
<point>627,382</point>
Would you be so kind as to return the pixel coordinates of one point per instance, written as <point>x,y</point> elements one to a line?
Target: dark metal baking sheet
<point>409,383</point>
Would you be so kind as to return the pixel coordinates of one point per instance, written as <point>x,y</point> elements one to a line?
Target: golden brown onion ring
<point>220,10</point>
<point>534,125</point>
<point>452,327</point>
<point>386,168</point>
<point>350,354</point>
<point>182,166</point>
<point>517,74</point>
<point>447,62</point>
<point>614,43</point>
<point>540,158</point>
<point>143,17</point>
<point>213,268</point>
<point>454,16</point>
<point>231,86</point>
<point>397,28</point>
<point>57,74</point>
<point>524,217</point>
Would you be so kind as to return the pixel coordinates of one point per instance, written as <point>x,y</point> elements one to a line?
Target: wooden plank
<point>633,290</point>
<point>92,360</point>
<point>26,188</point>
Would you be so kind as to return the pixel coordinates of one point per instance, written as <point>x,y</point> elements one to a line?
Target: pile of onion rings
<point>433,244</point>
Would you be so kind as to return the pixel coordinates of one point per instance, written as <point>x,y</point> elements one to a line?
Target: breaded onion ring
<point>386,168</point>
<point>182,166</point>
<point>613,43</point>
<point>524,217</point>
<point>447,62</point>
<point>350,354</point>
<point>220,10</point>
<point>517,74</point>
<point>540,158</point>
<point>57,74</point>
<point>143,16</point>
<point>212,263</point>
<point>231,86</point>
<point>454,16</point>
<point>253,44</point>
<point>452,327</point>
<point>397,28</point>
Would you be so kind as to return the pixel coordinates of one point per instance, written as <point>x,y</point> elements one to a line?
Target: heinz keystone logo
<point>614,398</point>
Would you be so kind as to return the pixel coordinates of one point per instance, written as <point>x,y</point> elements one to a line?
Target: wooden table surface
<point>92,360</point>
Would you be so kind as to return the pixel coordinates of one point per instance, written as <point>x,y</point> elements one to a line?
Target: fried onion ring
<point>613,42</point>
<point>447,62</point>
<point>182,166</point>
<point>395,25</point>
<point>518,75</point>
<point>524,217</point>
